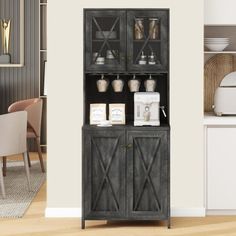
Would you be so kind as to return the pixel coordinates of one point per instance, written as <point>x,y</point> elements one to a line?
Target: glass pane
<point>150,54</point>
<point>146,41</point>
<point>106,40</point>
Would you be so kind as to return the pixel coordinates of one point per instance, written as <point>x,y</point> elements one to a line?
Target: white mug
<point>134,85</point>
<point>102,85</point>
<point>150,85</point>
<point>118,85</point>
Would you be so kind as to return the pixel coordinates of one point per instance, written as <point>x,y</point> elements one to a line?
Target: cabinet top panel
<point>126,9</point>
<point>218,12</point>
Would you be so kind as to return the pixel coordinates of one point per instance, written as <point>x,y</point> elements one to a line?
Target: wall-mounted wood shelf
<point>222,52</point>
<point>11,65</point>
<point>43,145</point>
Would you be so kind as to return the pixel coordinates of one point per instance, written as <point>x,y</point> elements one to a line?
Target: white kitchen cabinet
<point>220,12</point>
<point>221,167</point>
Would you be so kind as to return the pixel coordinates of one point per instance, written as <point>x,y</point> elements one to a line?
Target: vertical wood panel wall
<point>23,83</point>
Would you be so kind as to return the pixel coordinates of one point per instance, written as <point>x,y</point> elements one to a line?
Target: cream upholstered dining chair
<point>34,110</point>
<point>13,128</point>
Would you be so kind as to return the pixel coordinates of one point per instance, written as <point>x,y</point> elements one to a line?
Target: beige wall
<point>65,99</point>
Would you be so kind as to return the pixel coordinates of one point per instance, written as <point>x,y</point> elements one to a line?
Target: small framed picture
<point>117,113</point>
<point>97,113</point>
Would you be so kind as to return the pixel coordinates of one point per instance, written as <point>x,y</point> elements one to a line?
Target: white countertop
<point>211,119</point>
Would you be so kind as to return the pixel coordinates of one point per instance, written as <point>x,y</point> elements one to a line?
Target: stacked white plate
<point>216,44</point>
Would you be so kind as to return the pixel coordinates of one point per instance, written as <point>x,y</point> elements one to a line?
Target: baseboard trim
<point>76,212</point>
<point>188,212</point>
<point>221,212</point>
<point>63,212</point>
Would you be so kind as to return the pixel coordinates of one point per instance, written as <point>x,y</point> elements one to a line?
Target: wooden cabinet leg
<point>169,223</point>
<point>82,224</point>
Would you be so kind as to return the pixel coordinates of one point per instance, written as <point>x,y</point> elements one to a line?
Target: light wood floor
<point>35,224</point>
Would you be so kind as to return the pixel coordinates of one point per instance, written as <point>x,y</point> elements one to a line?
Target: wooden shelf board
<point>43,145</point>
<point>43,96</point>
<point>11,65</point>
<point>43,50</point>
<point>222,52</point>
<point>102,40</point>
<point>150,40</point>
<point>126,73</point>
<point>220,25</point>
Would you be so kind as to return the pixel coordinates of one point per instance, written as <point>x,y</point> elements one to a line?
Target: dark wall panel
<point>23,83</point>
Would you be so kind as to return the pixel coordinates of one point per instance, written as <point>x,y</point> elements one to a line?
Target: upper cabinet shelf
<point>12,33</point>
<point>222,32</point>
<point>219,12</point>
<point>126,40</point>
<point>222,52</point>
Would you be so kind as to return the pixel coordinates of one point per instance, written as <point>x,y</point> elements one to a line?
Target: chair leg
<point>40,154</point>
<point>28,159</point>
<point>27,169</point>
<point>2,184</point>
<point>28,154</point>
<point>4,160</point>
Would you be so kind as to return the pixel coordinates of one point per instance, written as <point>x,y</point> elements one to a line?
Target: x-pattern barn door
<point>146,185</point>
<point>106,159</point>
<point>105,38</point>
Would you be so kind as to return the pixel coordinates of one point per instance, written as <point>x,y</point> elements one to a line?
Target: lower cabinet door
<point>221,165</point>
<point>148,174</point>
<point>104,174</point>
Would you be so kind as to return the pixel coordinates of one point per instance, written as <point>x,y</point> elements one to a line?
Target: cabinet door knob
<point>129,145</point>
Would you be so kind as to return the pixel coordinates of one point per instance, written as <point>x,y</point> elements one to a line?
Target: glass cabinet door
<point>105,40</point>
<point>147,40</point>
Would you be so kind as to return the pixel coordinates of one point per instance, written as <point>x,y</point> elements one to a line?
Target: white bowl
<point>216,39</point>
<point>219,40</point>
<point>216,42</point>
<point>216,47</point>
